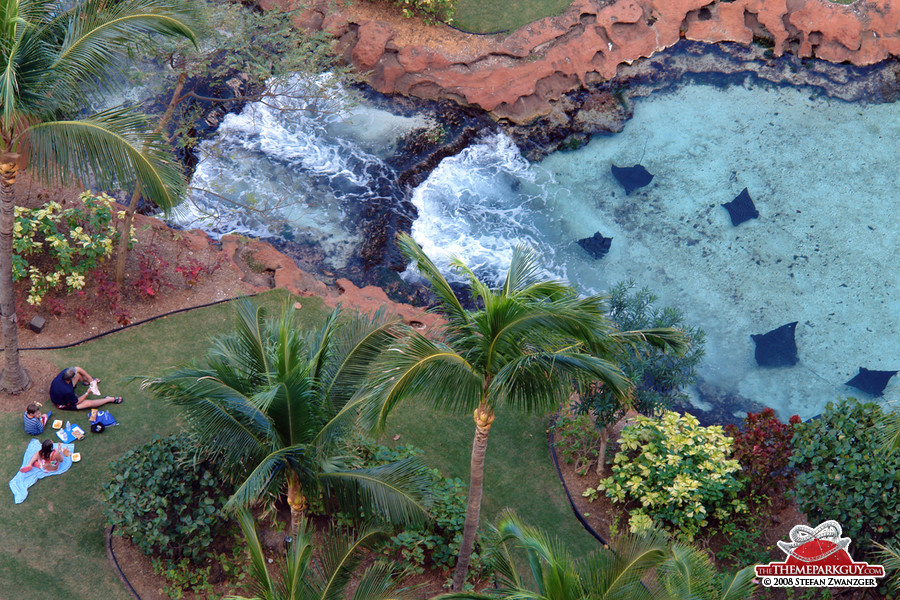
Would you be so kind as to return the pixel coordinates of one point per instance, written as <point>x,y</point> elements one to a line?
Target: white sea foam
<point>478,205</point>
<point>823,252</point>
<point>293,165</point>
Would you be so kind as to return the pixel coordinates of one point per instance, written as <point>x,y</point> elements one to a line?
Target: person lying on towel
<point>40,461</point>
<point>47,458</point>
<point>62,390</point>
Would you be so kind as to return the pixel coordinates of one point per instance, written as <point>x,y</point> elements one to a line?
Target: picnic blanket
<point>22,481</point>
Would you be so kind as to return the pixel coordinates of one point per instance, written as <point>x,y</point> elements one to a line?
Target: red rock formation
<point>286,274</point>
<point>519,76</point>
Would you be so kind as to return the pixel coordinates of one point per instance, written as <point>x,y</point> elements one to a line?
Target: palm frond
<point>496,556</point>
<point>687,573</point>
<point>890,431</point>
<point>26,56</point>
<point>479,290</point>
<point>261,581</point>
<point>552,566</point>
<point>223,420</point>
<point>97,30</point>
<point>617,574</point>
<point>665,338</point>
<point>739,586</point>
<point>889,556</point>
<point>512,324</point>
<point>319,342</point>
<point>399,491</point>
<point>357,345</point>
<point>418,370</point>
<point>293,407</point>
<point>524,271</point>
<point>377,583</point>
<point>264,477</point>
<point>250,339</point>
<point>539,382</point>
<point>450,304</point>
<point>295,570</point>
<point>117,147</point>
<point>340,554</point>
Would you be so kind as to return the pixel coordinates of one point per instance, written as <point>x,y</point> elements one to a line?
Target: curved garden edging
<point>578,515</point>
<point>111,554</point>
<point>141,322</point>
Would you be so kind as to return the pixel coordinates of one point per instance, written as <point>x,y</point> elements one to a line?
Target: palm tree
<point>682,572</point>
<point>888,555</point>
<point>264,402</point>
<point>56,53</point>
<point>522,351</point>
<point>310,573</point>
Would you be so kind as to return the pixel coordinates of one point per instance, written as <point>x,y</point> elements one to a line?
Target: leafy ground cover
<point>487,16</point>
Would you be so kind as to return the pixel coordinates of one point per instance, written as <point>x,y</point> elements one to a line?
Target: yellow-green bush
<point>675,474</point>
<point>56,247</point>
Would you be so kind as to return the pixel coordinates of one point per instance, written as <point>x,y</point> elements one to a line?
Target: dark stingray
<point>741,208</point>
<point>871,382</point>
<point>596,245</point>
<point>632,178</point>
<point>778,348</point>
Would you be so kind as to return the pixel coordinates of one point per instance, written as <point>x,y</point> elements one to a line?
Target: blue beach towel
<point>22,481</point>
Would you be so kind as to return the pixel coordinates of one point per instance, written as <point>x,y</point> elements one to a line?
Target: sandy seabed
<point>823,252</point>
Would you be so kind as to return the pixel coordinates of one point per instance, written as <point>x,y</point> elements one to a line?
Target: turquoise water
<point>823,252</point>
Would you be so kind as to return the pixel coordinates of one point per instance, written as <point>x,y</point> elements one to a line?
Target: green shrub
<point>169,506</point>
<point>435,544</point>
<point>55,247</point>
<point>658,376</point>
<point>842,474</point>
<point>673,473</point>
<point>576,439</point>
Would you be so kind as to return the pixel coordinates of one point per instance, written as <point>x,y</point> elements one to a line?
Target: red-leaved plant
<point>763,447</point>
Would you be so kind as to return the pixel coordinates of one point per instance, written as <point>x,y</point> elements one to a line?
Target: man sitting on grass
<point>62,391</point>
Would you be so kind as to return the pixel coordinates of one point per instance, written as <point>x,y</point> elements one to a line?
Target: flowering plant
<point>55,247</point>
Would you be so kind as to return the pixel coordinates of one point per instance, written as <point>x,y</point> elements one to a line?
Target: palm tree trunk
<point>484,417</point>
<point>14,378</point>
<point>297,502</point>
<point>125,237</point>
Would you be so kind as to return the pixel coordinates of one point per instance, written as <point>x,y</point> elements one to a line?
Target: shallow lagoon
<point>823,252</point>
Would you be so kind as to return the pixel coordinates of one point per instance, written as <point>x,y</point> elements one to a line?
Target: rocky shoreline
<point>522,76</point>
<point>471,91</point>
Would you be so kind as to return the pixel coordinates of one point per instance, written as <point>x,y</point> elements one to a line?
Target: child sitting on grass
<point>35,421</point>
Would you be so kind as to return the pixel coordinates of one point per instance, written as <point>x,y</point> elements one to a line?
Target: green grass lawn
<point>518,471</point>
<point>52,544</point>
<point>486,16</point>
